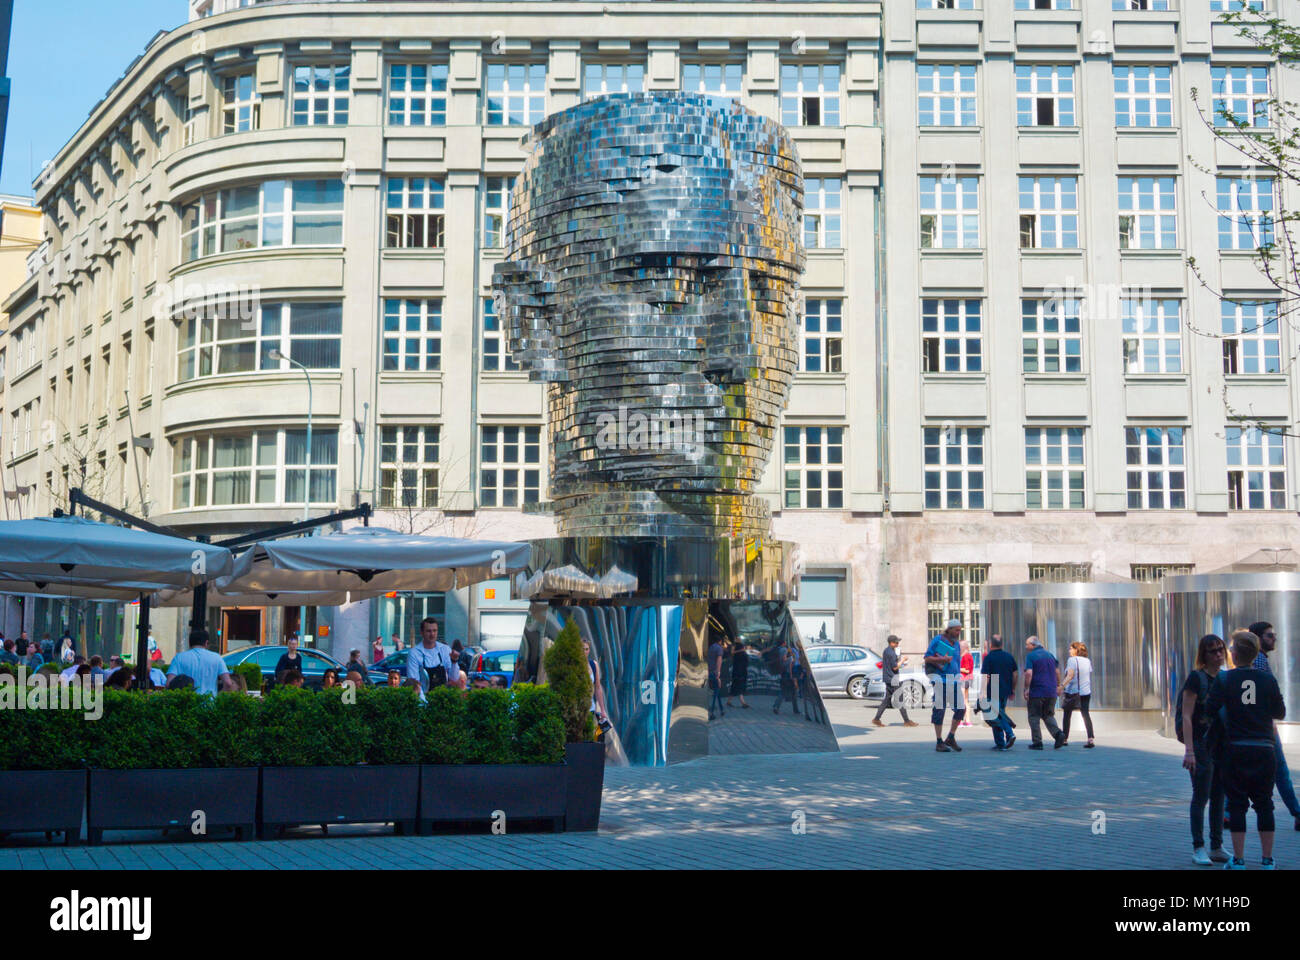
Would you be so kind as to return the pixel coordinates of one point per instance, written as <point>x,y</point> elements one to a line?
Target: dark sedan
<point>314,663</point>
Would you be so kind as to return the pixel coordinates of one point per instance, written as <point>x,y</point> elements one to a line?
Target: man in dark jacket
<point>1286,790</point>
<point>1250,701</point>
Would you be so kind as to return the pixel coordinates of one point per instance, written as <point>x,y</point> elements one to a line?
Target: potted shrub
<point>313,746</point>
<point>492,753</point>
<point>568,674</point>
<point>43,783</point>
<point>172,759</point>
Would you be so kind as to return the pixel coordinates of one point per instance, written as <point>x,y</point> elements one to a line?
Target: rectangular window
<point>510,460</point>
<point>273,214</point>
<point>1153,336</point>
<point>1157,468</point>
<point>417,94</point>
<point>1043,4</point>
<point>1140,4</point>
<point>599,79</point>
<point>1246,206</point>
<point>715,79</point>
<point>263,467</point>
<point>822,212</point>
<point>412,334</point>
<point>951,332</point>
<point>240,107</point>
<point>1144,96</point>
<point>823,344</point>
<point>1155,572</point>
<point>323,470</point>
<point>516,94</point>
<point>945,95</point>
<point>1054,468</point>
<point>1052,335</point>
<point>1044,95</point>
<point>1241,96</point>
<point>408,466</point>
<point>496,351</point>
<point>953,592</point>
<point>950,216</point>
<point>945,4</point>
<point>415,213</point>
<point>1049,213</point>
<point>1223,6</point>
<point>1252,341</point>
<point>810,94</point>
<point>321,94</point>
<point>1256,469</point>
<point>954,468</point>
<point>1148,213</point>
<point>1060,572</point>
<point>309,332</point>
<point>496,209</point>
<point>814,468</point>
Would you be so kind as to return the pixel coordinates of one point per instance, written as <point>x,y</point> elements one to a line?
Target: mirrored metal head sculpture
<point>652,273</point>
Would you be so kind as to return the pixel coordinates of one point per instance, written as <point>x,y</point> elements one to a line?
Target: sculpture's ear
<point>526,308</point>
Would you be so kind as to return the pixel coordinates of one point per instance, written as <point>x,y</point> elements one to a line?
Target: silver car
<point>856,671</point>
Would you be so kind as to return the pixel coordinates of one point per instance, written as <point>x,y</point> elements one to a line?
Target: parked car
<point>497,663</point>
<point>314,663</point>
<point>858,672</point>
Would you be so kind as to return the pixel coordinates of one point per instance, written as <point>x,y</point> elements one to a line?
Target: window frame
<point>408,221</point>
<point>829,446</point>
<point>233,104</point>
<point>797,100</point>
<point>404,343</point>
<point>1038,461</point>
<point>210,224</point>
<point>514,108</point>
<point>824,339</point>
<point>1147,350</point>
<point>964,101</point>
<point>527,484</point>
<point>1141,97</point>
<point>944,478</point>
<point>393,481</point>
<point>1064,220</point>
<point>1163,478</point>
<point>1254,345</point>
<point>430,115</point>
<point>949,349</point>
<point>337,97</point>
<point>276,471</point>
<point>962,214</point>
<point>1272,481</point>
<point>1034,87</point>
<point>1246,228</point>
<point>1068,312</point>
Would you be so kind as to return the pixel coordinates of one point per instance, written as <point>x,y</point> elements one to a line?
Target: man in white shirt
<point>429,655</point>
<point>200,664</point>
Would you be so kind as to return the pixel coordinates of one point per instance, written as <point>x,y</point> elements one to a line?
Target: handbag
<point>1072,701</point>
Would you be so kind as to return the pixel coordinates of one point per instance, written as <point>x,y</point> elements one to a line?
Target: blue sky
<point>63,56</point>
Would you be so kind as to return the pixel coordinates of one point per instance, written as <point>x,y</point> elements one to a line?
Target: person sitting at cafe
<point>356,678</point>
<point>330,680</point>
<point>394,678</point>
<point>292,678</point>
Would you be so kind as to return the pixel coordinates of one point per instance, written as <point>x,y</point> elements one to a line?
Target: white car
<point>856,671</point>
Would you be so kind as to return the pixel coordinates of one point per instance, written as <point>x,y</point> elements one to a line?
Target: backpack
<point>437,676</point>
<point>1201,693</point>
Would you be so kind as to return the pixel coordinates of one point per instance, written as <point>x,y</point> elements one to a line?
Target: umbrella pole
<point>142,644</point>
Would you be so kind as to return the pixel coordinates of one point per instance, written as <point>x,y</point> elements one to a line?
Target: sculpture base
<point>653,664</point>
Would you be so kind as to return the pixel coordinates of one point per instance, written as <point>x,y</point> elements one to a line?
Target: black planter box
<point>43,800</point>
<point>474,792</point>
<point>586,784</point>
<point>163,799</point>
<point>294,796</point>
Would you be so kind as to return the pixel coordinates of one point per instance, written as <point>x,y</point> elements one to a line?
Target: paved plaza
<point>887,800</point>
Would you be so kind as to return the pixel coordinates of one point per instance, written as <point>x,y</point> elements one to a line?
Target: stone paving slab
<point>887,800</point>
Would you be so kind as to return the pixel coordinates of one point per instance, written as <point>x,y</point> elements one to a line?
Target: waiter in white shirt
<point>429,655</point>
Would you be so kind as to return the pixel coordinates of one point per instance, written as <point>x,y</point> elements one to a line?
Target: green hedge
<point>288,727</point>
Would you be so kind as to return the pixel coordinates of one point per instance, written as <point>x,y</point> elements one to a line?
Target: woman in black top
<point>1198,760</point>
<point>739,673</point>
<point>289,661</point>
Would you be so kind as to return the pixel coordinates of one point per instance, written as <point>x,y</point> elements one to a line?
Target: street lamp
<point>306,496</point>
<point>306,493</point>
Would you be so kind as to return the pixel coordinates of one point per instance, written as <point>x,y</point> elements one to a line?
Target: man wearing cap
<point>890,663</point>
<point>943,663</point>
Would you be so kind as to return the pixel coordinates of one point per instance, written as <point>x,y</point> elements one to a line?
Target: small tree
<point>567,673</point>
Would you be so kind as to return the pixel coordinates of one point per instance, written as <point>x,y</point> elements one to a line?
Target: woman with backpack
<point>1191,722</point>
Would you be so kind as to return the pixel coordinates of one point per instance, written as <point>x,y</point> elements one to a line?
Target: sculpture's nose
<point>731,337</point>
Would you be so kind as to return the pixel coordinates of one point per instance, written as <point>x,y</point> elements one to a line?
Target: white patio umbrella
<point>368,562</point>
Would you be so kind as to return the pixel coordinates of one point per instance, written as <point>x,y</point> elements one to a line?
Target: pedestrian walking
<point>890,663</point>
<point>781,663</point>
<point>1192,724</point>
<point>998,676</point>
<point>1076,687</point>
<point>943,665</point>
<point>1042,680</point>
<point>715,678</point>
<point>739,673</point>
<point>967,674</point>
<point>1251,701</point>
<point>377,650</point>
<point>1285,788</point>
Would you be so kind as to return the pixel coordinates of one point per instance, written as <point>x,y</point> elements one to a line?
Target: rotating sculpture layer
<point>652,282</point>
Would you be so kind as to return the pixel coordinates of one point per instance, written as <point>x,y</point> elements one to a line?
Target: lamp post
<point>306,493</point>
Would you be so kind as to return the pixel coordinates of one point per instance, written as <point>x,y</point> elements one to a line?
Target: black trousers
<point>890,689</point>
<point>1248,774</point>
<point>1067,709</point>
<point>1207,787</point>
